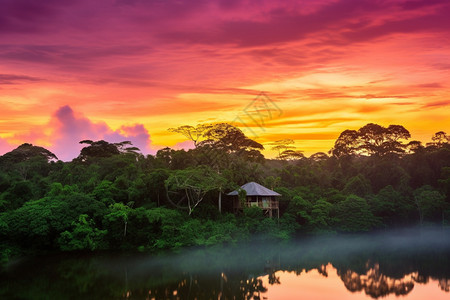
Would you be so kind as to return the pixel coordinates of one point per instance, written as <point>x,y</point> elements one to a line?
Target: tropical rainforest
<point>113,197</point>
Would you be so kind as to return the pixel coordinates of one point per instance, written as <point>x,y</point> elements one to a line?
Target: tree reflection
<point>323,270</point>
<point>225,274</point>
<point>444,284</point>
<point>273,279</point>
<point>376,284</point>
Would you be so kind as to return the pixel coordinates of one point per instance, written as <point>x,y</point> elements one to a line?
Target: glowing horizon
<point>128,70</point>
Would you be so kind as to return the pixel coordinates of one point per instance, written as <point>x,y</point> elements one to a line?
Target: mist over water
<point>370,265</point>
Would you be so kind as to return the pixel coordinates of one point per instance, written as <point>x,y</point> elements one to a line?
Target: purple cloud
<point>14,79</point>
<point>137,134</point>
<point>69,129</point>
<point>5,146</point>
<point>186,145</point>
<point>27,16</point>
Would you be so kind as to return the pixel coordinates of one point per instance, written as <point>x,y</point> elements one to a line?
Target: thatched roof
<point>255,189</point>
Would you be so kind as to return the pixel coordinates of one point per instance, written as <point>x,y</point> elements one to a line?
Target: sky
<point>306,70</point>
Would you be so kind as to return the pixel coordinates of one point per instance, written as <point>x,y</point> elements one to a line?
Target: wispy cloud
<point>16,79</point>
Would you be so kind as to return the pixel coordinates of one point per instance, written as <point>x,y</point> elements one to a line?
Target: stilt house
<point>257,195</point>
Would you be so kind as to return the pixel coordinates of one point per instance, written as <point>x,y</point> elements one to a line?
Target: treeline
<point>113,197</point>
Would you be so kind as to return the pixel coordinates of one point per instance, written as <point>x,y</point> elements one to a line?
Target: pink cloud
<point>186,145</point>
<point>5,146</point>
<point>230,24</point>
<point>68,128</point>
<point>162,46</point>
<point>136,134</point>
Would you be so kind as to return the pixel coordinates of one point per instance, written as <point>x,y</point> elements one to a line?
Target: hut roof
<point>255,189</point>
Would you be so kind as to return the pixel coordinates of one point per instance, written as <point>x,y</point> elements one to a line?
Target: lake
<point>407,264</point>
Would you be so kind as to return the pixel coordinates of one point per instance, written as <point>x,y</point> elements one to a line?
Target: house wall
<point>269,204</point>
<point>260,201</point>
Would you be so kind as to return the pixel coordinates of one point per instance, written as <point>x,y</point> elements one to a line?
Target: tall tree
<point>318,156</point>
<point>189,186</point>
<point>371,139</point>
<point>440,138</point>
<point>286,150</point>
<point>378,140</point>
<point>291,155</point>
<point>104,149</point>
<point>193,133</point>
<point>346,144</point>
<point>26,152</point>
<point>415,147</point>
<point>229,138</point>
<point>282,145</point>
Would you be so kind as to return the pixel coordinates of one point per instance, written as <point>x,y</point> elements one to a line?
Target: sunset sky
<point>129,69</point>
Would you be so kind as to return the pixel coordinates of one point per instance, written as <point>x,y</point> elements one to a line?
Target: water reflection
<point>376,284</point>
<point>365,266</point>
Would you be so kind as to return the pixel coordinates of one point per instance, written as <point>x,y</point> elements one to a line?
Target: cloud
<point>419,4</point>
<point>304,136</point>
<point>434,85</point>
<point>35,17</point>
<point>432,22</point>
<point>137,134</point>
<point>14,79</point>
<point>436,104</point>
<point>67,128</point>
<point>334,21</point>
<point>186,145</point>
<point>318,122</point>
<point>5,146</point>
<point>199,44</point>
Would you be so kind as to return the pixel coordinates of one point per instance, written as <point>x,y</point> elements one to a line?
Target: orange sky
<point>120,70</point>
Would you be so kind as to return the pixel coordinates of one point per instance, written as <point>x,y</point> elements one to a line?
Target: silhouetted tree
<point>194,134</point>
<point>229,138</point>
<point>102,148</point>
<point>282,145</point>
<point>25,152</point>
<point>439,139</point>
<point>371,139</point>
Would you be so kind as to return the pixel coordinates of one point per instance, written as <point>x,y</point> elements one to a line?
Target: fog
<point>407,246</point>
<point>379,264</point>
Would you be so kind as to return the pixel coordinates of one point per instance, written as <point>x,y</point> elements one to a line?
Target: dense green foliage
<point>112,197</point>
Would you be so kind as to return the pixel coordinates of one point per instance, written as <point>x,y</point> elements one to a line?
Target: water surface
<point>408,264</point>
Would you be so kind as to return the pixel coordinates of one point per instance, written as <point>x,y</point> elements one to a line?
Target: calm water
<point>407,264</point>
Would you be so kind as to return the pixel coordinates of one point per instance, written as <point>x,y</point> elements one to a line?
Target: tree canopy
<point>229,138</point>
<point>25,152</point>
<point>194,184</point>
<point>371,139</point>
<point>104,149</point>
